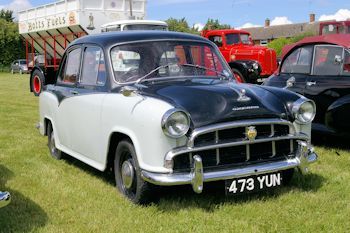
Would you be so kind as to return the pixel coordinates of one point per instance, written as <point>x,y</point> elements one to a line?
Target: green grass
<point>68,196</point>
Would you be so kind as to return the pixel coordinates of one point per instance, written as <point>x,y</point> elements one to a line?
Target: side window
<point>71,67</point>
<point>93,71</point>
<point>216,40</point>
<point>346,66</point>
<point>299,62</point>
<point>327,60</point>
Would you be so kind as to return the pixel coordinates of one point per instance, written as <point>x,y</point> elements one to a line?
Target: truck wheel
<point>238,75</point>
<point>128,175</point>
<point>37,82</point>
<point>55,153</point>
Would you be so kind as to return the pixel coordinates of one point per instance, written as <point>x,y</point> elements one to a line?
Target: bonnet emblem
<point>242,96</point>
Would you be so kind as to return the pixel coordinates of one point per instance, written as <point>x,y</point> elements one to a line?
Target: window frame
<point>314,57</point>
<point>59,80</point>
<point>79,83</point>
<point>342,70</point>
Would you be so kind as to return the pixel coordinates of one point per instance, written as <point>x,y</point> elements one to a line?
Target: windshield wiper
<point>206,68</point>
<point>152,71</point>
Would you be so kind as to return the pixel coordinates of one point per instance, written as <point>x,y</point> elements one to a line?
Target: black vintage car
<point>319,68</point>
<point>162,108</point>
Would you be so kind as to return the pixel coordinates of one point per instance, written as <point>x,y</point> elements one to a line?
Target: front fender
<point>338,114</point>
<point>246,67</point>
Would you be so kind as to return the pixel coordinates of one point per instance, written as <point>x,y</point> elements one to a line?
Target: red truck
<point>249,63</point>
<point>335,27</point>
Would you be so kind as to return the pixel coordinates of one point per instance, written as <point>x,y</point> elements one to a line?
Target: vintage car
<point>319,68</point>
<point>5,199</point>
<point>162,109</point>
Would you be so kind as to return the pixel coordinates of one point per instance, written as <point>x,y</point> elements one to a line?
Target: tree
<point>279,43</point>
<point>213,24</point>
<point>180,25</point>
<point>6,15</point>
<point>11,43</point>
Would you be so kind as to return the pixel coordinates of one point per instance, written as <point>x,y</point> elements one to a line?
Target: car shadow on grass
<point>22,214</point>
<point>182,197</point>
<point>331,141</point>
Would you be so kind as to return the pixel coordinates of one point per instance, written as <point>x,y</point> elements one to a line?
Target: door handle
<point>309,84</point>
<point>73,92</point>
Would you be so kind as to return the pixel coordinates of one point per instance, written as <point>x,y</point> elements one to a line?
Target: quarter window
<point>327,60</point>
<point>72,65</point>
<point>94,72</point>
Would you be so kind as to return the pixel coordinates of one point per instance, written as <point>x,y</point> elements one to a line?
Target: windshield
<point>235,38</point>
<point>145,27</point>
<point>162,59</point>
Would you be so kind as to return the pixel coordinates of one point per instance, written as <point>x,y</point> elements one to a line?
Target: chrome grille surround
<point>193,148</point>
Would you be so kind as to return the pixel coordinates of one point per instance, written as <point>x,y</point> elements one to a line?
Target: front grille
<point>224,155</point>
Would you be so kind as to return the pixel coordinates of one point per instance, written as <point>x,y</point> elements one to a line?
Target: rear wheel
<point>128,174</point>
<point>55,153</point>
<point>37,82</point>
<point>238,76</point>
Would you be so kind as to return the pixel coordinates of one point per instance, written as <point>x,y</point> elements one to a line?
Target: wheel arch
<point>114,139</point>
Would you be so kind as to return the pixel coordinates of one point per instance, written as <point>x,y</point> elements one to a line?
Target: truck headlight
<point>175,123</point>
<point>255,66</point>
<point>304,111</point>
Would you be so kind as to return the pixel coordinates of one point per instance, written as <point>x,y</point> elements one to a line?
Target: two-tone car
<point>163,109</point>
<point>319,68</point>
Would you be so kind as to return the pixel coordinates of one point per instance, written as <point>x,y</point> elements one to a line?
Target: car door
<point>295,68</point>
<point>65,90</point>
<point>85,123</point>
<point>326,84</point>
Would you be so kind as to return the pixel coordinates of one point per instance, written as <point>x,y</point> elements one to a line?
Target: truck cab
<point>127,25</point>
<point>249,62</point>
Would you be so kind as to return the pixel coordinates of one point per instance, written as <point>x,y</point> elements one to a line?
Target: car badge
<point>242,96</point>
<point>251,133</point>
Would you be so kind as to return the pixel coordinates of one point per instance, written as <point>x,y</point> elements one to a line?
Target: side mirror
<point>338,59</point>
<point>290,82</point>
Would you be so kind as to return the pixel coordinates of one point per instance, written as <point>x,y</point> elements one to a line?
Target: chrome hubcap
<point>127,174</point>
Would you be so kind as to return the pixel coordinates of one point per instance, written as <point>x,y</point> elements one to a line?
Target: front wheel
<point>37,82</point>
<point>238,76</point>
<point>128,174</point>
<point>55,153</point>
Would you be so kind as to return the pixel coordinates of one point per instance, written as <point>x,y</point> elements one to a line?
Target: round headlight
<point>175,123</point>
<point>304,111</point>
<point>255,66</point>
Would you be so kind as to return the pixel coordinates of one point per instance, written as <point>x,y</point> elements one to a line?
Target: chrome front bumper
<point>305,155</point>
<point>5,199</point>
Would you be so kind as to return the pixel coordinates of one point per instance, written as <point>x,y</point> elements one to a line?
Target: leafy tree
<point>279,43</point>
<point>213,24</point>
<point>180,25</point>
<point>6,15</point>
<point>11,44</point>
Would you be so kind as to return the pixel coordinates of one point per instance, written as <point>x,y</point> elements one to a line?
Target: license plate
<point>253,183</point>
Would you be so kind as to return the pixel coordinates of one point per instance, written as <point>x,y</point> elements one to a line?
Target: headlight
<point>175,123</point>
<point>255,66</point>
<point>304,111</point>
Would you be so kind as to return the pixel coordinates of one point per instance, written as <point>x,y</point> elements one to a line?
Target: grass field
<point>68,196</point>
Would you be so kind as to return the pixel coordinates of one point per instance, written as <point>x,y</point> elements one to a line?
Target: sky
<point>237,13</point>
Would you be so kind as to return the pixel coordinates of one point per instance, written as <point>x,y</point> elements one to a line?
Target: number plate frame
<point>251,184</point>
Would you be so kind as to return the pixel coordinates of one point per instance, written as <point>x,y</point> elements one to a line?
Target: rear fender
<point>338,114</point>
